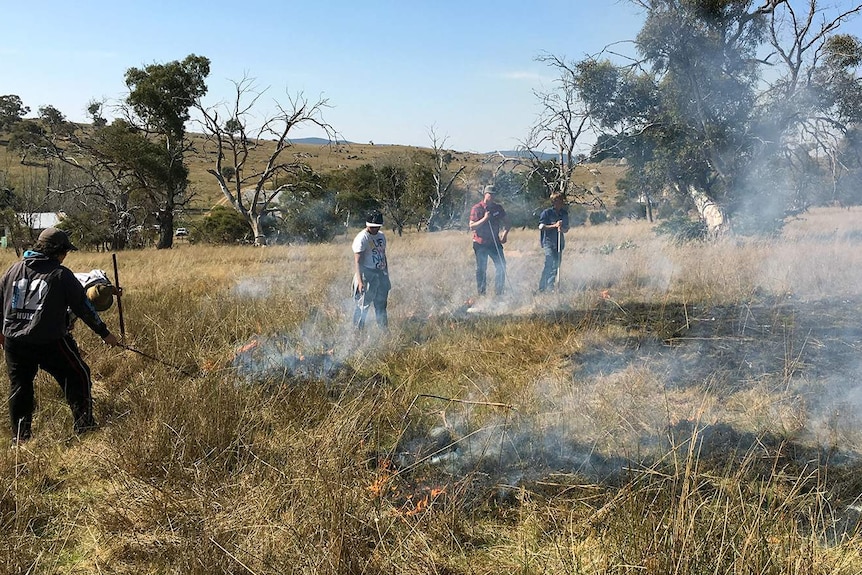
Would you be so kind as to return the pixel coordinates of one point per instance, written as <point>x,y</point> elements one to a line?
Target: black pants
<point>495,252</point>
<point>60,358</point>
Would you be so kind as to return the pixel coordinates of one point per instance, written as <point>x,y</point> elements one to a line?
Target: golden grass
<point>672,409</point>
<point>324,159</point>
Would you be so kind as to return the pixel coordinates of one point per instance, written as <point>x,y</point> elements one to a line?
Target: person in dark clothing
<point>553,225</point>
<point>490,231</point>
<point>35,294</point>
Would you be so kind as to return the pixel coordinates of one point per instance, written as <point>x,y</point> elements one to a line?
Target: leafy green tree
<point>161,96</point>
<point>702,120</point>
<point>223,225</point>
<point>94,109</point>
<point>113,172</point>
<point>54,121</point>
<point>88,229</point>
<point>400,187</point>
<point>27,138</point>
<point>355,197</point>
<point>12,110</point>
<point>30,138</point>
<point>309,212</point>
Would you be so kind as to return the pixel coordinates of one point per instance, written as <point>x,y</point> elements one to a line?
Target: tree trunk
<point>712,214</point>
<point>259,238</point>
<point>165,219</point>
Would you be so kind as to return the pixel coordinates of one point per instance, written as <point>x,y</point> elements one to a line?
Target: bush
<point>224,225</point>
<point>682,229</point>
<point>577,216</point>
<point>597,218</point>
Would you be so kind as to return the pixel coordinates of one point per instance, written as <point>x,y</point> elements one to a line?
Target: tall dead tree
<point>562,124</point>
<point>444,179</point>
<point>252,165</point>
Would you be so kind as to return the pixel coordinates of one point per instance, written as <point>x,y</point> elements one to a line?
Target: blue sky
<point>390,69</point>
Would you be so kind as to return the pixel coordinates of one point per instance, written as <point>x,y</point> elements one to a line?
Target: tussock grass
<point>671,409</point>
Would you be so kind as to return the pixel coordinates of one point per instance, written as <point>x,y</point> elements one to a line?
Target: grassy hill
<point>329,158</point>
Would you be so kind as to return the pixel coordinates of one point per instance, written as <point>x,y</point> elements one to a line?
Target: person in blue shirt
<point>553,225</point>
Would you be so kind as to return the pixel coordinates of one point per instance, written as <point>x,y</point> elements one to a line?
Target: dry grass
<point>673,409</point>
<point>325,159</point>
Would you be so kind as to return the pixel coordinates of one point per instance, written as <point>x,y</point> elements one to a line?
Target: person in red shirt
<point>490,231</point>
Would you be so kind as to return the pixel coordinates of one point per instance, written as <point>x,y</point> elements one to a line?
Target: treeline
<point>124,184</point>
<point>731,116</point>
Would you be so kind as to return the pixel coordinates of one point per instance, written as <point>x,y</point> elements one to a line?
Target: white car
<point>181,232</point>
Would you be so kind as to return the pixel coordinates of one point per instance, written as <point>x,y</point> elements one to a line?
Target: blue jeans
<point>552,266</point>
<point>495,252</point>
<point>376,293</point>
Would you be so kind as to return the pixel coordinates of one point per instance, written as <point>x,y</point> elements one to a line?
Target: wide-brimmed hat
<point>57,238</point>
<point>102,296</point>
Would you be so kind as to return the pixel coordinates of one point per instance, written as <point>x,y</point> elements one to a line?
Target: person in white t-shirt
<point>371,273</point>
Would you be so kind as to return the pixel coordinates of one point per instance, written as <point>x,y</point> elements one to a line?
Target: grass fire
<point>671,408</point>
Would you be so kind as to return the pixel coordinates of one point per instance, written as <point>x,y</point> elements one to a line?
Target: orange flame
<point>424,504</point>
<point>381,485</point>
<point>606,294</point>
<point>250,345</point>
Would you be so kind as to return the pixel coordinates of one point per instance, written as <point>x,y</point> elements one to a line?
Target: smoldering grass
<point>715,469</point>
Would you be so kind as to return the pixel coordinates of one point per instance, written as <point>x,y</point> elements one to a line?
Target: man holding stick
<point>490,231</point>
<point>35,294</point>
<point>553,224</point>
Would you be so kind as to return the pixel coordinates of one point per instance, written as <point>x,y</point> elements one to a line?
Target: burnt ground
<point>806,351</point>
<point>734,345</point>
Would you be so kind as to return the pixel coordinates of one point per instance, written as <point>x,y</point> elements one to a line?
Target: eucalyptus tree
<point>159,103</point>
<point>253,167</point>
<point>26,138</point>
<point>12,111</point>
<point>728,101</point>
<point>30,137</point>
<point>115,169</point>
<point>396,191</point>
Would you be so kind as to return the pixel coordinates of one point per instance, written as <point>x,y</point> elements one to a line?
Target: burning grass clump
<point>276,358</point>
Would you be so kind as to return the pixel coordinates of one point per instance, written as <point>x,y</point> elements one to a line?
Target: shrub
<point>597,218</point>
<point>682,229</point>
<point>223,225</point>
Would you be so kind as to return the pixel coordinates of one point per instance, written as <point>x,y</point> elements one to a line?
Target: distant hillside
<point>324,156</point>
<point>320,141</point>
<point>544,156</point>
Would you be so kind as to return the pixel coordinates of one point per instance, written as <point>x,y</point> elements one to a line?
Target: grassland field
<point>670,409</point>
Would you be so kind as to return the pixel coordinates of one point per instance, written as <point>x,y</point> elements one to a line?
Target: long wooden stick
<point>119,300</point>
